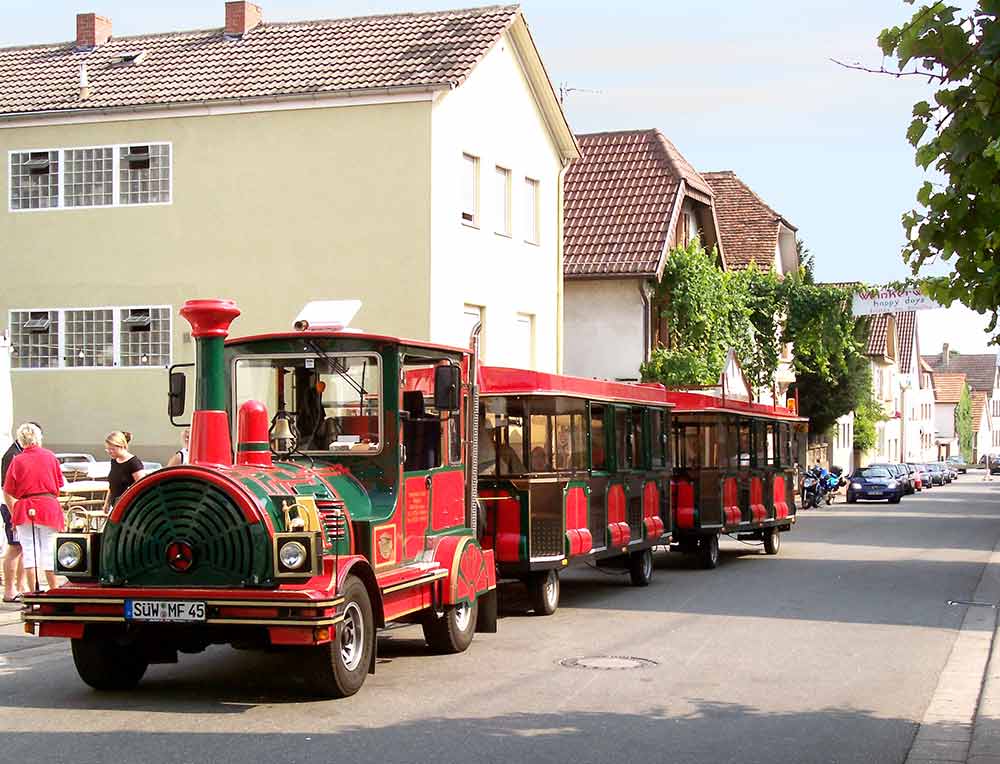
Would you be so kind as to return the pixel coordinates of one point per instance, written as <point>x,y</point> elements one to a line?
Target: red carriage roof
<point>688,403</point>
<point>495,380</point>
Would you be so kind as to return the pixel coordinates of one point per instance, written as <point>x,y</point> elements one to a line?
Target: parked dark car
<point>875,483</point>
<point>899,473</point>
<point>945,472</point>
<point>994,462</point>
<point>925,476</point>
<point>937,474</point>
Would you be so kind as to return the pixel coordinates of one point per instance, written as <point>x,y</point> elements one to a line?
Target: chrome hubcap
<point>352,637</point>
<point>463,613</point>
<point>551,587</point>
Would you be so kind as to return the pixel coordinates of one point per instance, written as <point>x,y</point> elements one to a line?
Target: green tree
<point>704,319</point>
<point>956,134</point>
<point>963,424</point>
<point>867,414</point>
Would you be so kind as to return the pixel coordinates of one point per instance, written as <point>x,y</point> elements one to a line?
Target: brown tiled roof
<point>878,331</point>
<point>906,328</point>
<point>621,198</point>
<point>273,59</point>
<point>979,369</point>
<point>978,404</point>
<point>948,387</point>
<point>749,227</point>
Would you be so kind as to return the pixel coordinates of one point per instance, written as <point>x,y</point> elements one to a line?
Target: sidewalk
<point>9,613</point>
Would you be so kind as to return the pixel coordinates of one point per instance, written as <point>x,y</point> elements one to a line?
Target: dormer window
<point>132,58</point>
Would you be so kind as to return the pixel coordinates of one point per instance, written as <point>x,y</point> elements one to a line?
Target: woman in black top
<point>126,468</point>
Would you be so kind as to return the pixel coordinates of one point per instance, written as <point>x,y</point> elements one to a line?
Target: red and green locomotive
<point>347,507</point>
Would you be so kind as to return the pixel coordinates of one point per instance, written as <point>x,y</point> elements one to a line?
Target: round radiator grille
<point>217,544</point>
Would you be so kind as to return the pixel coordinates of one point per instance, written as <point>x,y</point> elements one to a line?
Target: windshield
<point>333,402</point>
<point>873,472</point>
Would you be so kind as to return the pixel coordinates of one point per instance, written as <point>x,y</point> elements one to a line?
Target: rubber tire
<point>544,590</point>
<point>640,567</point>
<point>708,552</point>
<point>772,541</point>
<point>106,666</point>
<point>329,674</point>
<point>852,501</point>
<point>895,500</point>
<point>445,634</point>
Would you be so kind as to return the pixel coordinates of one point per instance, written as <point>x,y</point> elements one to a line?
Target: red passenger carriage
<point>572,471</point>
<point>734,472</point>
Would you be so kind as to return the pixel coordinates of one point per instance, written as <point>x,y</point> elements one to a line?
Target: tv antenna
<point>565,90</point>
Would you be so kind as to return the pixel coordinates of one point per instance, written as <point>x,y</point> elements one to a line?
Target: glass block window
<point>145,336</point>
<point>144,174</point>
<point>89,338</point>
<point>34,180</point>
<point>89,177</point>
<point>34,336</point>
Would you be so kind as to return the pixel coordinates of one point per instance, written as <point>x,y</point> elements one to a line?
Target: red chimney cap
<point>210,318</point>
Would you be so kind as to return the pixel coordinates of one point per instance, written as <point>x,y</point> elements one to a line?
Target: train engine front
<point>250,553</point>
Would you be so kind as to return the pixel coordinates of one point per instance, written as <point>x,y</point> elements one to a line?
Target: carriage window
<point>656,442</point>
<point>598,455</point>
<point>541,443</point>
<point>637,446</point>
<point>691,446</point>
<point>772,452</point>
<point>759,443</point>
<point>501,437</point>
<point>744,444</point>
<point>621,439</point>
<point>571,442</point>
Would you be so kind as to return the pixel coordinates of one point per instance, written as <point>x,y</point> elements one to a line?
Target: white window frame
<point>469,160</point>
<point>528,318</point>
<point>502,177</point>
<point>115,173</point>
<point>116,317</point>
<point>532,210</point>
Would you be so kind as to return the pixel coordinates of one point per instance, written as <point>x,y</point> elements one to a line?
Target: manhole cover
<point>608,662</point>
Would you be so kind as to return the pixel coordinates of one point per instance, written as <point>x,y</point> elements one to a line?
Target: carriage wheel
<point>772,541</point>
<point>708,551</point>
<point>453,630</point>
<point>544,589</point>
<point>640,567</point>
<point>340,666</point>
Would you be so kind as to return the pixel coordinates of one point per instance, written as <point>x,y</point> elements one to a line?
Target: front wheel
<point>339,667</point>
<point>452,631</point>
<point>772,541</point>
<point>708,551</point>
<point>895,500</point>
<point>640,567</point>
<point>544,589</point>
<point>105,665</point>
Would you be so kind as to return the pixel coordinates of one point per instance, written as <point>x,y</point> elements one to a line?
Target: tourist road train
<point>341,481</point>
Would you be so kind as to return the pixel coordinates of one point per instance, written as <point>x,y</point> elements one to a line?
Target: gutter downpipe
<point>560,278</point>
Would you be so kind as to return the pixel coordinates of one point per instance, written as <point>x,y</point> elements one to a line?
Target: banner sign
<point>891,301</point>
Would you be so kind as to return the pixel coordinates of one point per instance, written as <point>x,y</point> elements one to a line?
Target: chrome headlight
<point>69,555</point>
<point>293,555</point>
<point>891,484</point>
<point>856,486</point>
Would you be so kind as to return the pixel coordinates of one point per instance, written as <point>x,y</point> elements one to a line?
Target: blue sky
<point>746,86</point>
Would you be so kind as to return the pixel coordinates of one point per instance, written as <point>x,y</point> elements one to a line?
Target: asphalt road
<point>829,652</point>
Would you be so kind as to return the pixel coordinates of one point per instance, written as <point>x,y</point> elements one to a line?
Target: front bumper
<point>290,617</point>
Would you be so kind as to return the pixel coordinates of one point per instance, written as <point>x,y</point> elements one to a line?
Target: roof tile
<point>948,386</point>
<point>980,369</point>
<point>620,200</point>
<point>749,227</point>
<point>273,59</point>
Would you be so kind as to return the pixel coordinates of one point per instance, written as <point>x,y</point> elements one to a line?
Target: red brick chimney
<point>241,17</point>
<point>92,30</point>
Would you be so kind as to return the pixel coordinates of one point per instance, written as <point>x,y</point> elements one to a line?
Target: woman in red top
<point>31,489</point>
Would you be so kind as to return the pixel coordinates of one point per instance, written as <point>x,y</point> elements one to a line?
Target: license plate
<point>875,493</point>
<point>164,612</point>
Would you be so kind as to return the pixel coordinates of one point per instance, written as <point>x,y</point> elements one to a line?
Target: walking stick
<point>34,550</point>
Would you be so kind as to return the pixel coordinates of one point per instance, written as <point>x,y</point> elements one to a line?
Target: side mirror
<point>447,388</point>
<point>177,393</point>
